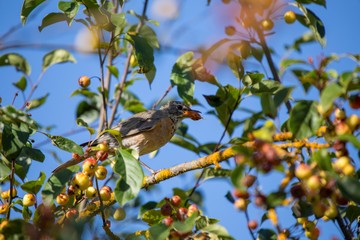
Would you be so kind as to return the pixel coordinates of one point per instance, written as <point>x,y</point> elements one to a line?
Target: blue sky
<point>198,25</point>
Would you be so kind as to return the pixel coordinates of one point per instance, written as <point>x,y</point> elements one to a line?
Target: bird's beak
<point>193,114</point>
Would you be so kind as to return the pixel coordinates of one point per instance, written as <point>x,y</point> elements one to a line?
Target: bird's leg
<point>152,171</point>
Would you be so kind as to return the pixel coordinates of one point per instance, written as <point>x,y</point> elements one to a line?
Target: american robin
<point>144,132</point>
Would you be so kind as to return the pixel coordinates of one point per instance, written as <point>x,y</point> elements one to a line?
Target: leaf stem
<point>12,176</point>
<point>271,62</point>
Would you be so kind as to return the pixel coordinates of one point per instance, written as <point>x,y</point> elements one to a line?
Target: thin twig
<point>162,97</point>
<point>126,69</point>
<point>271,62</point>
<point>101,203</point>
<point>247,220</point>
<point>12,179</point>
<point>33,88</point>
<point>197,184</point>
<point>344,230</point>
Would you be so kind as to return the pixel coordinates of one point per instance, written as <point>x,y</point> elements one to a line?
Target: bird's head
<point>181,110</point>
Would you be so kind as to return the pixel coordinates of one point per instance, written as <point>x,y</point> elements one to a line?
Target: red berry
<point>181,214</point>
<point>175,201</point>
<point>168,221</point>
<point>166,209</point>
<point>84,81</point>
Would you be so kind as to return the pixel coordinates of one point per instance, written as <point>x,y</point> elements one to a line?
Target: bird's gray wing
<point>140,122</point>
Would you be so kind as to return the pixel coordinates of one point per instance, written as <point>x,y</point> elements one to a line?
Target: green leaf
<point>56,56</point>
<point>13,138</point>
<point>146,207</point>
<point>304,119</point>
<point>215,46</point>
<point>302,209</point>
<point>352,213</point>
<point>70,9</point>
<point>114,71</point>
<point>203,221</point>
<point>268,105</point>
<point>27,7</point>
<point>118,19</point>
<point>285,63</point>
<point>237,175</point>
<point>34,186</point>
<point>314,23</point>
<point>132,176</point>
<point>65,144</point>
<point>53,18</point>
<point>5,171</point>
<point>319,2</point>
<point>159,232</point>
<point>148,33</point>
<point>350,188</point>
<point>236,66</point>
<point>330,93</point>
<point>83,92</point>
<point>36,102</point>
<point>210,173</point>
<point>323,159</point>
<point>350,138</point>
<point>144,53</point>
<point>10,115</point>
<point>152,217</point>
<point>307,38</point>
<point>219,231</point>
<point>16,60</point>
<point>183,77</point>
<point>21,84</point>
<point>230,98</point>
<point>275,199</point>
<point>185,226</point>
<point>252,78</point>
<point>26,213</point>
<point>82,123</point>
<point>94,9</point>
<point>87,111</point>
<point>55,184</point>
<point>184,144</point>
<point>266,234</point>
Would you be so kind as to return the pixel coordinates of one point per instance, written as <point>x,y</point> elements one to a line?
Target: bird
<point>143,132</point>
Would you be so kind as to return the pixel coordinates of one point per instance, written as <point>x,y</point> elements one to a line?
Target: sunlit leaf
<point>184,143</point>
<point>114,71</point>
<point>314,23</point>
<point>266,234</point>
<point>55,184</point>
<point>82,123</point>
<point>349,187</point>
<point>159,231</point>
<point>144,53</point>
<point>56,56</point>
<point>183,78</point>
<point>27,7</point>
<point>53,18</point>
<point>304,119</point>
<point>35,103</point>
<point>16,60</point>
<point>132,176</point>
<point>65,144</point>
<point>70,9</point>
<point>21,84</point>
<point>152,216</point>
<point>304,39</point>
<point>34,186</point>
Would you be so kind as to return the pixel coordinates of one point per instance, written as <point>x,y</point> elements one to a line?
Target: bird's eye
<point>179,107</point>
